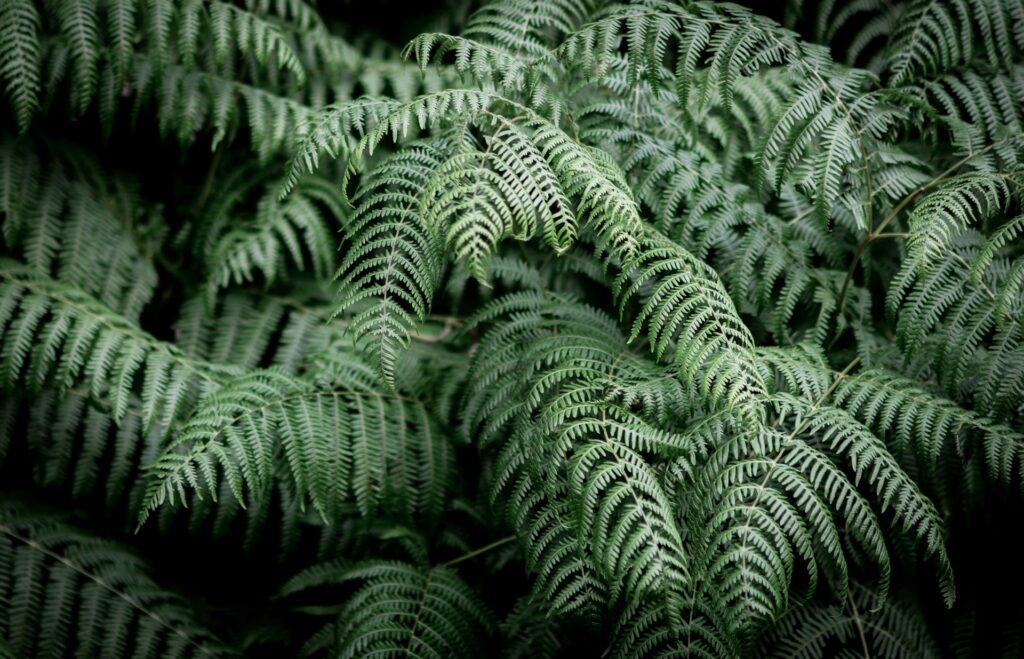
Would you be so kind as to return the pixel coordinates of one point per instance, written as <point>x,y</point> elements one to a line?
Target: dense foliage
<point>527,328</point>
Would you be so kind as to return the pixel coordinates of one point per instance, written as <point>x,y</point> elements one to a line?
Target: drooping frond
<point>65,223</point>
<point>684,305</point>
<point>729,40</point>
<point>392,260</point>
<point>52,332</point>
<point>927,428</point>
<point>841,435</point>
<point>341,441</point>
<point>933,37</point>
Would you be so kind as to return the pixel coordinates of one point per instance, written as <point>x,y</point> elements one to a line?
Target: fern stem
<point>204,194</point>
<point>481,550</point>
<point>29,542</point>
<point>899,208</point>
<point>859,624</point>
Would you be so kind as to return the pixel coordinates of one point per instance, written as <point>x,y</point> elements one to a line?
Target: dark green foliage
<point>545,328</point>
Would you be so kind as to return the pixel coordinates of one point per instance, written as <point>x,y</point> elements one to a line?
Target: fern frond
<point>109,240</point>
<point>52,332</point>
<point>79,24</point>
<point>928,426</point>
<point>393,261</point>
<point>935,37</point>
<point>19,58</point>
<point>896,630</point>
<point>67,591</point>
<point>293,229</point>
<point>482,62</point>
<point>405,609</point>
<point>943,215</point>
<point>684,305</point>
<point>735,41</point>
<point>526,28</point>
<point>646,629</point>
<point>340,440</point>
<point>842,435</point>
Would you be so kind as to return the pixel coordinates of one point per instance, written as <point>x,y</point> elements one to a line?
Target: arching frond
<point>685,304</point>
<point>340,439</point>
<point>52,332</point>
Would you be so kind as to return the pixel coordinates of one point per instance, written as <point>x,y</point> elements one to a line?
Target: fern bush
<point>511,328</point>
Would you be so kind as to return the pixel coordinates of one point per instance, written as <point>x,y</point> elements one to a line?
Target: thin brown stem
<point>859,625</point>
<point>481,550</point>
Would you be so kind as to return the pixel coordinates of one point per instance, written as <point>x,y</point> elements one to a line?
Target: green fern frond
<point>393,261</point>
<point>402,609</point>
<point>843,436</point>
<point>943,215</point>
<point>684,305</point>
<point>52,332</point>
<point>895,631</point>
<point>108,253</point>
<point>19,58</point>
<point>293,229</point>
<point>927,426</point>
<point>735,41</point>
<point>79,24</point>
<point>645,629</point>
<point>67,591</point>
<point>484,63</point>
<point>934,37</point>
<point>232,26</point>
<point>340,440</point>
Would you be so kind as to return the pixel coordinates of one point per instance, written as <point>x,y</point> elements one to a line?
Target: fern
<point>655,328</point>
